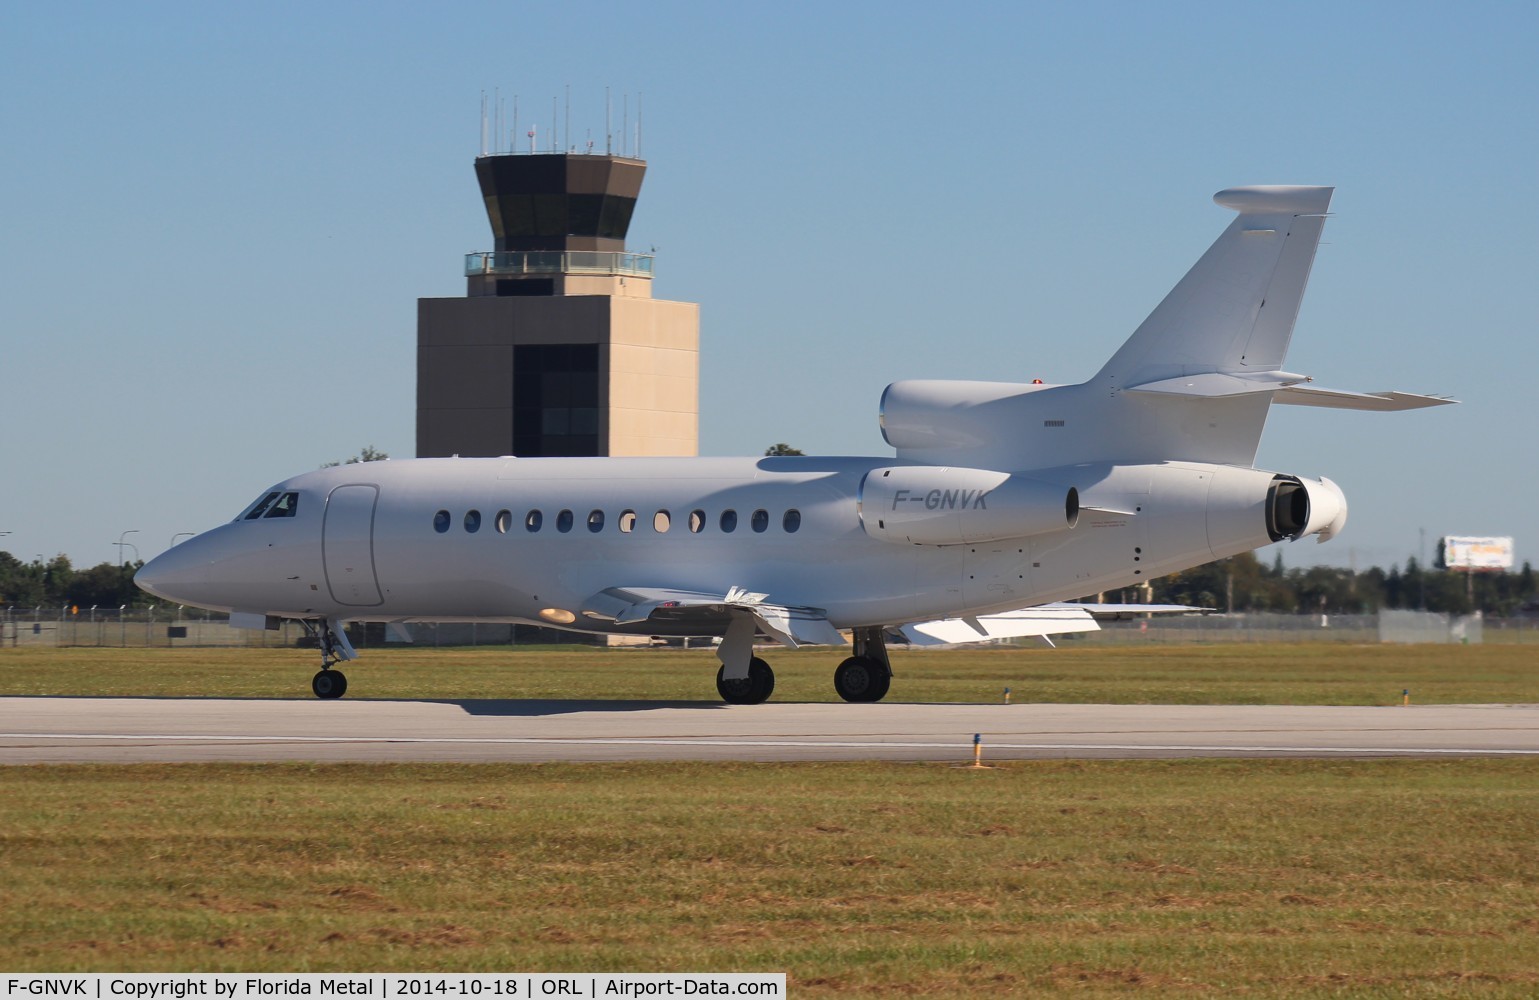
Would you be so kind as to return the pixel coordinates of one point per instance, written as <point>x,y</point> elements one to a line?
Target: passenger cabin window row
<point>627,522</point>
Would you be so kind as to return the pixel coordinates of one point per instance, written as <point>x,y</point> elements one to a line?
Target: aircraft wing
<point>792,625</point>
<point>1122,612</point>
<point>1043,620</point>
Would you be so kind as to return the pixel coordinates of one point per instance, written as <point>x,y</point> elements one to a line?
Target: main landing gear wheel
<point>755,688</point>
<point>329,684</point>
<point>861,679</point>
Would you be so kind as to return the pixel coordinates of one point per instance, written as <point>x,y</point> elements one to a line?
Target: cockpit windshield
<point>274,504</point>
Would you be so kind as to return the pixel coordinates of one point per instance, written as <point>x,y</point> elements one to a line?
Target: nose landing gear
<point>330,683</point>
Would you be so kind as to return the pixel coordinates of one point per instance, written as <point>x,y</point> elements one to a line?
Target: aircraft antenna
<point>483,123</point>
<point>568,130</point>
<point>608,111</point>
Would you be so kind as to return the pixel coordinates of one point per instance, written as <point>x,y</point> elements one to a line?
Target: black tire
<point>329,684</point>
<point>859,679</point>
<point>752,690</point>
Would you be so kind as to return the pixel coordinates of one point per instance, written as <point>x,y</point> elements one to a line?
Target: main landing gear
<point>750,690</point>
<point>330,683</point>
<point>744,679</point>
<point>867,675</point>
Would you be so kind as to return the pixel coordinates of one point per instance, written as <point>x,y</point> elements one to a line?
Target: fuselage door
<point>347,541</point>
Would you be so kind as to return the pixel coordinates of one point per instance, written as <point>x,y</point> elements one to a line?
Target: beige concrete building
<point>558,347</point>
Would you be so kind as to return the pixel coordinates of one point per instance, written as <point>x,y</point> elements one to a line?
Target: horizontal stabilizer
<point>1285,387</point>
<point>1338,399</point>
<point>1214,384</point>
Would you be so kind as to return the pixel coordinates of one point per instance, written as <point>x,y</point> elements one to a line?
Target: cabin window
<point>284,506</point>
<point>504,521</point>
<point>261,505</point>
<point>564,521</point>
<point>533,520</point>
<point>791,521</point>
<point>595,521</point>
<point>472,521</point>
<point>660,521</point>
<point>729,520</point>
<point>627,521</point>
<point>760,520</point>
<point>441,521</point>
<point>696,521</point>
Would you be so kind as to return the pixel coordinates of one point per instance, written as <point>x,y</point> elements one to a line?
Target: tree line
<point>1245,583</point>
<point>57,583</point>
<point>1240,583</point>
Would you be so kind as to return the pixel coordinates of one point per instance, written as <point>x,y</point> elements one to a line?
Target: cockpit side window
<point>285,506</point>
<point>260,506</point>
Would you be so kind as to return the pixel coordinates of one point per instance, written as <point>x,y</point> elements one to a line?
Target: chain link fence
<point>139,628</point>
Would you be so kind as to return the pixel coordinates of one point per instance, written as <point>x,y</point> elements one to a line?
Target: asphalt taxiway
<point>121,730</point>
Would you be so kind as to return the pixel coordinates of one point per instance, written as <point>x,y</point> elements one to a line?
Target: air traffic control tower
<point>558,347</point>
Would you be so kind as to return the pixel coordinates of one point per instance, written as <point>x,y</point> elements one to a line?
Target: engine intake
<point>934,505</point>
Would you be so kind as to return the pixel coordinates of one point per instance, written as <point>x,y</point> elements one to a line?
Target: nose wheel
<point>329,683</point>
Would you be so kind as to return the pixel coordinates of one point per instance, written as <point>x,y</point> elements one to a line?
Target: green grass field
<point>1211,878</point>
<point>1321,674</point>
<point>1279,878</point>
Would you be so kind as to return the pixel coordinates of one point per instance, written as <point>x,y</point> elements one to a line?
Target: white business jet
<point>1002,501</point>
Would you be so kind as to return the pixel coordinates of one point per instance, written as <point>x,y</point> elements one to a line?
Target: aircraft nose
<point>177,574</point>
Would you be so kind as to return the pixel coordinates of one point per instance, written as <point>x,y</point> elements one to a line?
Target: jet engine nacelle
<point>934,505</point>
<point>929,414</point>
<point>1297,507</point>
<point>1249,508</point>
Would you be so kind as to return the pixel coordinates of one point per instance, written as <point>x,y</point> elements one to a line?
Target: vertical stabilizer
<point>1234,311</point>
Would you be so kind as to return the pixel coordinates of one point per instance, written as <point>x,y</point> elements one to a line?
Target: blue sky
<point>215,221</point>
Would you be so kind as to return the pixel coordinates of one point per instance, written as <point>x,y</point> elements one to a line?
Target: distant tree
<point>369,454</point>
<point>781,448</point>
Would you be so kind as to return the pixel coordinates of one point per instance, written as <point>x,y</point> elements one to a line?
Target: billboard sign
<point>1471,552</point>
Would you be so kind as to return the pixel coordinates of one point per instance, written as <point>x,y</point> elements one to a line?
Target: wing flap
<point>792,625</point>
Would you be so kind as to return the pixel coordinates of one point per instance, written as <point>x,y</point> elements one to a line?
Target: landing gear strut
<point>335,648</point>
<point>867,675</point>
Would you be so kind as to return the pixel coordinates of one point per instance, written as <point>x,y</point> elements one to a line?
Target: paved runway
<point>115,730</point>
